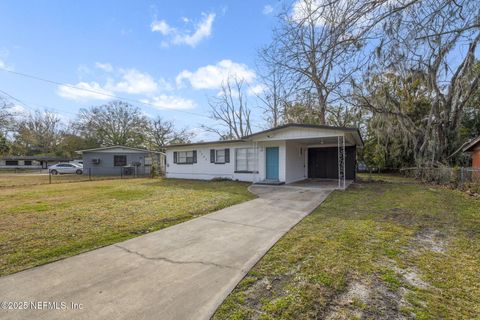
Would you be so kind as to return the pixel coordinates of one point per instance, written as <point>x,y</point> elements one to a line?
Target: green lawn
<point>40,224</point>
<point>380,250</point>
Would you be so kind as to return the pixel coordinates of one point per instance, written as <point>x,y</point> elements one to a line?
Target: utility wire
<point>96,92</point>
<point>24,103</point>
<point>101,93</point>
<point>16,99</point>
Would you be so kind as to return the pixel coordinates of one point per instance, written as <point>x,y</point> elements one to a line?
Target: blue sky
<point>170,54</point>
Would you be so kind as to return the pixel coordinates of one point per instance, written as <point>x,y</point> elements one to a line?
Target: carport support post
<point>341,162</point>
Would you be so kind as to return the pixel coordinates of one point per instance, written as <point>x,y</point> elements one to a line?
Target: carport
<point>325,158</point>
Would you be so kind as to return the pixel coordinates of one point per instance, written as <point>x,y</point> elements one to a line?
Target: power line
<point>16,99</point>
<point>95,91</point>
<point>22,102</point>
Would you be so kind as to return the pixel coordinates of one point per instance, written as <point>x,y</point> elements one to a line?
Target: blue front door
<point>272,163</point>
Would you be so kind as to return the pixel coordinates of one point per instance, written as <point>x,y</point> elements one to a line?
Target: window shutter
<point>175,157</point>
<point>227,155</point>
<point>212,156</point>
<point>194,156</point>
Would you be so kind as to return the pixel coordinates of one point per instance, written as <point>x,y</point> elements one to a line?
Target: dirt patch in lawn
<point>373,298</point>
<point>376,251</point>
<point>431,239</point>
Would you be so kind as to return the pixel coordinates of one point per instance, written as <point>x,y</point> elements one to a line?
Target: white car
<point>65,168</point>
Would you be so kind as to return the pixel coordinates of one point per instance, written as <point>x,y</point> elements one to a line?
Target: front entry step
<point>270,182</point>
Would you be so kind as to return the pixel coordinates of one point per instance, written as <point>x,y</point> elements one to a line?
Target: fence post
<point>121,173</point>
<point>90,174</point>
<point>49,177</point>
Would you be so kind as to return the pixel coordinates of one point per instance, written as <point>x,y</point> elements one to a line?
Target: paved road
<point>182,272</point>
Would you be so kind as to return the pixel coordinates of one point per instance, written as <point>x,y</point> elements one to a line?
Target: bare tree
<point>320,44</point>
<point>230,109</point>
<point>6,116</point>
<point>162,132</point>
<point>277,87</point>
<point>116,123</point>
<point>38,132</point>
<point>431,47</point>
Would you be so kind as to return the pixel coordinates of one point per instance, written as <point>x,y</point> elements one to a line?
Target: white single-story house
<point>284,154</point>
<point>120,161</point>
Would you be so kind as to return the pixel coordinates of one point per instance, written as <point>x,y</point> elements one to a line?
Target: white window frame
<point>249,160</point>
<point>220,158</point>
<point>185,157</point>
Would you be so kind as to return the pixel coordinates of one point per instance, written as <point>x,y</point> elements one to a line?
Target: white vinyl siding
<point>245,159</point>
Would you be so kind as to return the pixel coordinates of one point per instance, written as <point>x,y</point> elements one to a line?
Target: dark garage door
<point>322,163</point>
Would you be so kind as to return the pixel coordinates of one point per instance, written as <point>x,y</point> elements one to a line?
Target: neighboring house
<point>120,160</point>
<point>473,147</point>
<point>285,154</point>
<point>29,162</point>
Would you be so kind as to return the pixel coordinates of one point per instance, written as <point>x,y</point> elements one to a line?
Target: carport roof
<point>354,131</point>
<point>310,126</point>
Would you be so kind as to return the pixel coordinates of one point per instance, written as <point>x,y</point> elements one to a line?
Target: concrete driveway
<point>182,272</point>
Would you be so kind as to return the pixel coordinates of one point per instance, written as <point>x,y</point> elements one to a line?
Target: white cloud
<point>325,12</point>
<point>107,67</point>
<point>267,9</point>
<point>212,76</point>
<point>256,89</point>
<point>2,64</point>
<point>17,109</point>
<point>301,10</point>
<point>202,30</point>
<point>162,27</point>
<point>85,91</point>
<point>133,82</point>
<point>170,102</point>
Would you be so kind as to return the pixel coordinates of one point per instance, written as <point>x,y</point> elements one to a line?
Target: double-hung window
<point>185,157</point>
<point>219,156</point>
<point>244,160</point>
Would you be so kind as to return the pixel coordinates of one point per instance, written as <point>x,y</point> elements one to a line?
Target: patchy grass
<point>376,251</point>
<point>41,224</point>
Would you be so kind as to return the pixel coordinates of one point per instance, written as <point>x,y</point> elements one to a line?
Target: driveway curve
<point>181,272</point>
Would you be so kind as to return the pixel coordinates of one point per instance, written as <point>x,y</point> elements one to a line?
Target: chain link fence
<point>471,175</point>
<point>13,178</point>
<point>444,175</point>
